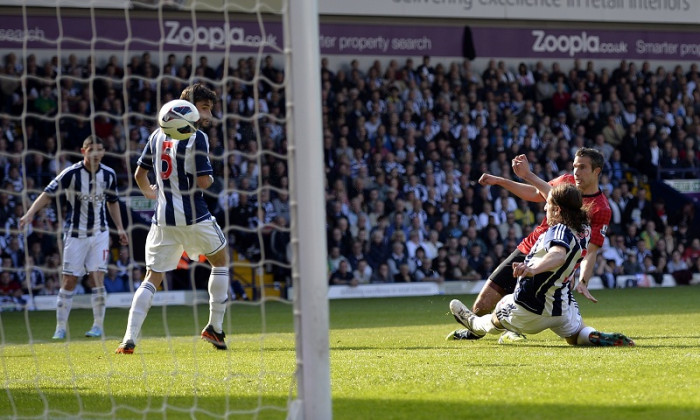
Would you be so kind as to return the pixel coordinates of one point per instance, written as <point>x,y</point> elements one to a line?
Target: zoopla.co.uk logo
<point>214,36</point>
<point>574,44</point>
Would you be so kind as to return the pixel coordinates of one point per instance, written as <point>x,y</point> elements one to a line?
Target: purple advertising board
<point>182,35</point>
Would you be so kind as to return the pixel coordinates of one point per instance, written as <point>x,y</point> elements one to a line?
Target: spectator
<point>606,271</point>
<point>404,274</point>
<point>381,274</point>
<point>632,266</point>
<point>115,283</point>
<point>397,257</point>
<point>343,276</point>
<point>363,273</point>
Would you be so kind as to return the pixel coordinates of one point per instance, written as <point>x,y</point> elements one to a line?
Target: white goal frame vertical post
<point>309,272</point>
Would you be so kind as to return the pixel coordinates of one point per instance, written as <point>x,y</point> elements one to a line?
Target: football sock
<point>64,302</point>
<point>139,309</point>
<point>482,325</point>
<point>583,338</point>
<point>98,305</point>
<point>218,296</point>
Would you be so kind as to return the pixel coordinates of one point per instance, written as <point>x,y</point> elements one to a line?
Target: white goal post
<point>306,172</point>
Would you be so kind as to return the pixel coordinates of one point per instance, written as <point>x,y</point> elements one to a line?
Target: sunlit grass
<point>389,360</point>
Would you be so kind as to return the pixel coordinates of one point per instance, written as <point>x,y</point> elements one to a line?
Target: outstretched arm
<point>42,201</point>
<point>524,191</point>
<point>521,167</point>
<point>587,266</point>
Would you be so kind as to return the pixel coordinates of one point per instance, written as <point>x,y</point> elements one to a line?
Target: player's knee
<point>487,299</point>
<point>219,259</point>
<point>69,282</point>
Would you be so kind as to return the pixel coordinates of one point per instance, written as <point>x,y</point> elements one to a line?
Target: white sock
<point>582,339</point>
<point>64,302</point>
<point>484,325</point>
<point>139,309</point>
<point>99,295</point>
<point>218,296</point>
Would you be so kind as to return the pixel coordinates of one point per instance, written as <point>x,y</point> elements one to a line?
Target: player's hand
<point>521,166</point>
<point>583,289</point>
<point>24,221</point>
<point>123,238</point>
<point>151,195</point>
<point>487,179</point>
<point>522,269</point>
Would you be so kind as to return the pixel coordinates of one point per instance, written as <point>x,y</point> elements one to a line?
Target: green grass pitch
<point>389,360</point>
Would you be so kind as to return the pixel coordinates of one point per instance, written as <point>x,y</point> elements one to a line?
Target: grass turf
<point>389,360</point>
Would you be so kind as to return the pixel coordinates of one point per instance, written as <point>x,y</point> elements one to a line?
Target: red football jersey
<point>600,217</point>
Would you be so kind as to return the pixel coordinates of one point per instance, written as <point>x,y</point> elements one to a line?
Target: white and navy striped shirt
<point>177,164</point>
<point>85,194</point>
<point>549,293</point>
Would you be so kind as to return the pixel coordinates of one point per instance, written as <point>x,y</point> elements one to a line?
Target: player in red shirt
<point>588,164</point>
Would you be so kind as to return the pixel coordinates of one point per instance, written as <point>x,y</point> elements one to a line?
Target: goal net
<point>75,68</point>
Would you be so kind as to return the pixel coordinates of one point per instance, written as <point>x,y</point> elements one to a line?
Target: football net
<point>104,67</point>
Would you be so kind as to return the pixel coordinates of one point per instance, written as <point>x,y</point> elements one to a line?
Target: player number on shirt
<point>166,161</point>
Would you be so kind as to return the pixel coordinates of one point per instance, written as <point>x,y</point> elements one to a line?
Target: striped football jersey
<point>549,293</point>
<point>177,164</point>
<point>85,194</point>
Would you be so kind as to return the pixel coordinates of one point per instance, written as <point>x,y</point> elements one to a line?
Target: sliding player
<point>588,164</point>
<point>542,298</point>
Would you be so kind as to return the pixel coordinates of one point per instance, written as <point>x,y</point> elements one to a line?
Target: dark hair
<point>198,92</point>
<point>597,159</point>
<point>90,140</point>
<point>573,213</point>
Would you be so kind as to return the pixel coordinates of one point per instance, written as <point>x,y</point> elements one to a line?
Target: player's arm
<point>116,214</point>
<point>600,219</point>
<point>141,177</point>
<point>42,201</point>
<point>521,167</point>
<point>555,257</point>
<point>201,160</point>
<point>524,191</point>
<point>587,266</point>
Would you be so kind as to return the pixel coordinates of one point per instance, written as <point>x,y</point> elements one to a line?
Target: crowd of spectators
<point>404,145</point>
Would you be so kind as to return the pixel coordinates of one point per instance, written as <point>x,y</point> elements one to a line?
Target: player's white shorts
<point>164,244</point>
<point>85,255</point>
<point>518,319</point>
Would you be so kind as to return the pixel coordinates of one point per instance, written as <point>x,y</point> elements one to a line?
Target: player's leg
<point>576,333</point>
<point>97,299</point>
<point>499,284</point>
<point>74,255</point>
<point>96,264</point>
<point>163,251</point>
<point>218,283</point>
<point>64,302</point>
<point>589,336</point>
<point>141,303</point>
<point>479,326</point>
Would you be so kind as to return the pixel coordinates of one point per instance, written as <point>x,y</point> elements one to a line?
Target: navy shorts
<point>503,275</point>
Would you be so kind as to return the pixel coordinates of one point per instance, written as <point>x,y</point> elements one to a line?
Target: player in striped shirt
<point>588,164</point>
<point>181,221</point>
<point>88,187</point>
<point>542,298</point>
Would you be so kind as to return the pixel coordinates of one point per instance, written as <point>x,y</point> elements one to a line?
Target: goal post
<point>308,212</point>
